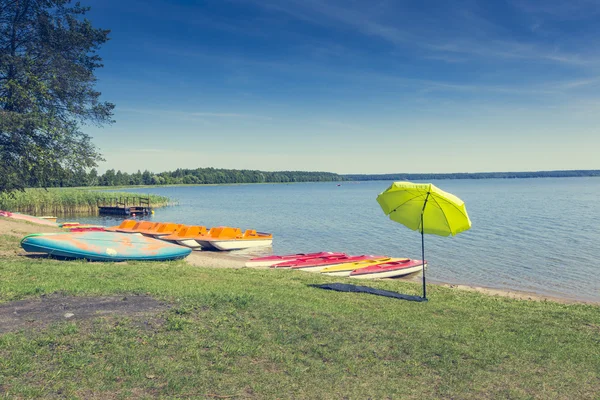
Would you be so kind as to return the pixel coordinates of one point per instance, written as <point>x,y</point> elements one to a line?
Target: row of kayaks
<point>341,264</point>
<point>196,237</point>
<point>145,240</point>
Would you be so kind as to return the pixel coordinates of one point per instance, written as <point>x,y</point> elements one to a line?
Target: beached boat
<point>150,230</point>
<point>126,224</point>
<point>166,230</point>
<point>71,225</point>
<point>267,261</point>
<point>216,232</point>
<point>346,268</point>
<point>185,236</point>
<point>389,269</point>
<point>249,239</point>
<point>84,228</point>
<point>318,263</point>
<point>103,246</point>
<point>137,227</point>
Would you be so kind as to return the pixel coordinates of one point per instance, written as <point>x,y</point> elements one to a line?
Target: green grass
<point>267,334</point>
<point>64,200</point>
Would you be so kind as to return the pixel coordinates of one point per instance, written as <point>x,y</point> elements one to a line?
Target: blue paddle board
<point>103,246</point>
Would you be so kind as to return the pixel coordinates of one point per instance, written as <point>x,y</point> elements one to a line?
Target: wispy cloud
<point>560,9</point>
<point>351,77</point>
<point>469,34</point>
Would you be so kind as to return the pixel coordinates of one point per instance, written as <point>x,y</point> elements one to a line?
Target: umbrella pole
<point>423,259</point>
<point>423,245</point>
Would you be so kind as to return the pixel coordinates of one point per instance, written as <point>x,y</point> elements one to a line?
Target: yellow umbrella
<point>426,208</point>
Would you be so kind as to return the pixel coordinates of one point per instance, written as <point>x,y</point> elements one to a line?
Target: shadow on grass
<point>343,287</point>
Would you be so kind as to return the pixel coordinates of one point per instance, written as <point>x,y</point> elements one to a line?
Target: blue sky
<point>350,86</point>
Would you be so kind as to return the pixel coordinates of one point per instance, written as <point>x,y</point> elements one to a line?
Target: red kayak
<point>88,229</point>
<point>389,270</point>
<point>272,260</point>
<point>317,264</point>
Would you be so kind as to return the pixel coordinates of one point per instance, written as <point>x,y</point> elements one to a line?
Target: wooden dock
<point>125,206</point>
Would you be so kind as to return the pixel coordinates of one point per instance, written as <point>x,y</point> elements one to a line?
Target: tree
<point>47,62</point>
<point>93,178</point>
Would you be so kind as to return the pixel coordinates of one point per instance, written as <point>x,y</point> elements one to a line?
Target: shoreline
<point>214,259</point>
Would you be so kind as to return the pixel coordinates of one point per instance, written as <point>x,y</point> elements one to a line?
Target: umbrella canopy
<point>425,208</point>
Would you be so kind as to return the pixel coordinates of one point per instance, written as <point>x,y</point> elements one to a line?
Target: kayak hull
<point>315,268</point>
<point>104,246</point>
<point>346,269</point>
<point>272,260</point>
<point>326,261</point>
<point>238,244</point>
<point>391,270</point>
<point>191,243</point>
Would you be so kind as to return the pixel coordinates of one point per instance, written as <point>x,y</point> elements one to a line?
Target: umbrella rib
<point>443,213</point>
<point>411,199</point>
<point>459,210</point>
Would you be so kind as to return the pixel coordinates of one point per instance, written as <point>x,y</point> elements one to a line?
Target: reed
<point>65,200</point>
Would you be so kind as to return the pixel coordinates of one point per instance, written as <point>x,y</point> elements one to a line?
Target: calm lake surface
<point>536,235</point>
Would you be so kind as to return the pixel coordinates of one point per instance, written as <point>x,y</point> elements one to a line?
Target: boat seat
<point>188,231</point>
<point>229,232</point>
<point>142,225</point>
<point>250,233</point>
<point>126,224</point>
<point>168,228</point>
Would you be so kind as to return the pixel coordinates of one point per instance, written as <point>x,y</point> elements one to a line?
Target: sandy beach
<point>214,259</point>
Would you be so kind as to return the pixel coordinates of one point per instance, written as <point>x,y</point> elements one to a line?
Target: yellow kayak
<point>346,268</point>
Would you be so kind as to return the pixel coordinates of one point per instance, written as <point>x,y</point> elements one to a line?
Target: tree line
<point>474,175</point>
<point>224,176</point>
<point>189,176</point>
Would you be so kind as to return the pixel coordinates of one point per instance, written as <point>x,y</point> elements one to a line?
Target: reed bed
<point>66,200</point>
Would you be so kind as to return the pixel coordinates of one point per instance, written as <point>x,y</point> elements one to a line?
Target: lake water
<point>535,235</point>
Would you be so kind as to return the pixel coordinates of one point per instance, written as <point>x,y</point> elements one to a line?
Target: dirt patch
<point>40,312</point>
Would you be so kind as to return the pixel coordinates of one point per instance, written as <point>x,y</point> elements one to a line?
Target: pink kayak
<point>272,260</point>
<point>389,269</point>
<point>316,264</point>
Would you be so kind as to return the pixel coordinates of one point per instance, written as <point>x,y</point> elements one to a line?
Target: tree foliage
<point>195,176</point>
<point>226,176</point>
<point>48,54</point>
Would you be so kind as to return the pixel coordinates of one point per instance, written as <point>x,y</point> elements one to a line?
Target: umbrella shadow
<point>344,287</point>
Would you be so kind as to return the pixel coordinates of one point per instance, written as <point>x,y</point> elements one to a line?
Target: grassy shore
<point>64,200</point>
<point>244,333</point>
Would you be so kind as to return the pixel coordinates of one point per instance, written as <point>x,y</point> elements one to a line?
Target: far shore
<point>476,176</point>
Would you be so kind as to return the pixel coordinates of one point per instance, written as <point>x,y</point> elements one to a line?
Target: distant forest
<point>220,176</point>
<point>474,175</point>
<point>193,176</point>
